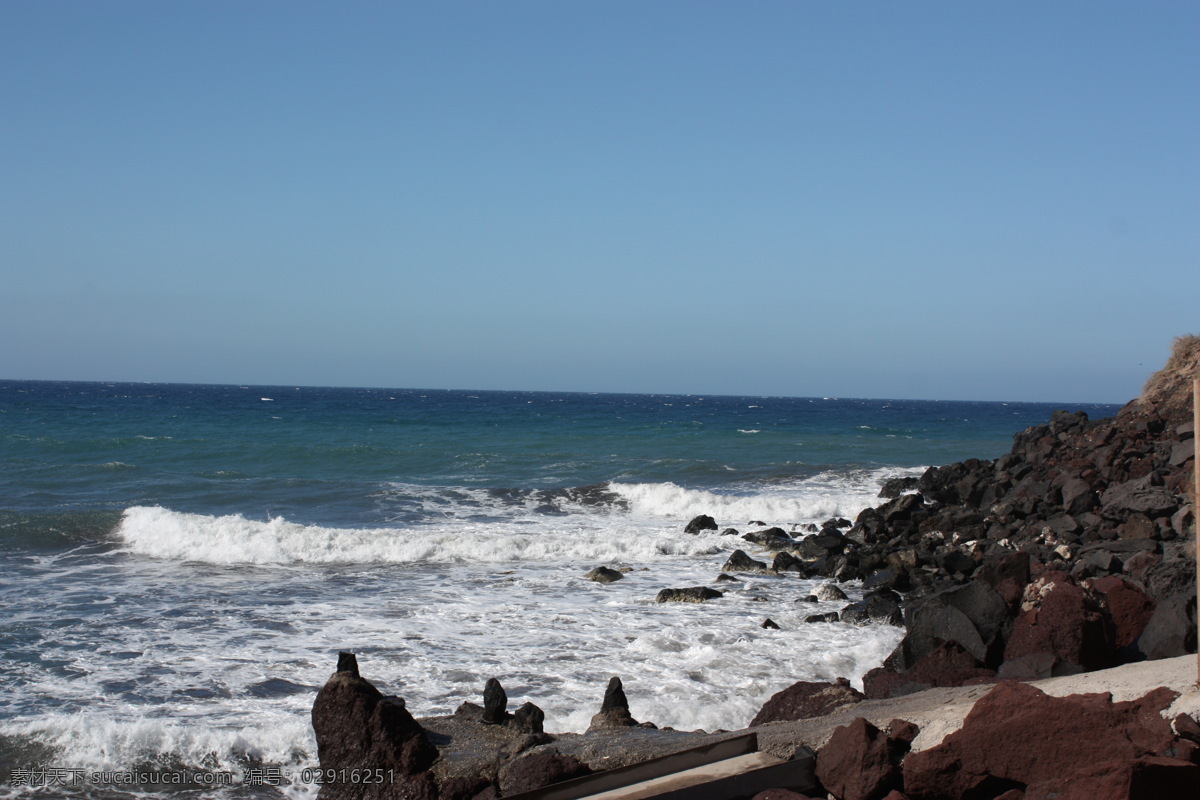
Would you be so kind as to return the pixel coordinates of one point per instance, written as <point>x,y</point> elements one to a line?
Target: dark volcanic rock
<point>528,719</point>
<point>1017,737</point>
<point>973,615</point>
<point>358,728</point>
<point>495,703</point>
<point>692,594</point>
<point>614,711</point>
<point>770,538</point>
<point>604,575</point>
<point>701,523</point>
<point>805,700</point>
<point>740,562</point>
<point>880,606</point>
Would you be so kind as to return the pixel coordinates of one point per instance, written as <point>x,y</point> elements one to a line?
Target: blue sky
<point>876,199</point>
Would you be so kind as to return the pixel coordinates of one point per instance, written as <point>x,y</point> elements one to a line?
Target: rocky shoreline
<point>1072,553</point>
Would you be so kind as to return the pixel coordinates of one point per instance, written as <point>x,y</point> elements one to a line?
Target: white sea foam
<point>811,500</point>
<point>234,539</point>
<point>176,630</point>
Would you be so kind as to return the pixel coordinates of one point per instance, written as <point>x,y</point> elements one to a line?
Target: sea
<point>182,564</point>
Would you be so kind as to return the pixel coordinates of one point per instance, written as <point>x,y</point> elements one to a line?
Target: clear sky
<point>945,200</point>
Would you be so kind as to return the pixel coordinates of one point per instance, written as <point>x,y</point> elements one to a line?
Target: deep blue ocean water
<point>183,562</point>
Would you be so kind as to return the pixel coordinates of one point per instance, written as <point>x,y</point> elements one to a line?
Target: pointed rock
<point>495,703</point>
<point>614,711</point>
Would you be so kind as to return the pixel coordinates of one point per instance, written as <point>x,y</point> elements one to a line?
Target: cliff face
<point>1168,392</point>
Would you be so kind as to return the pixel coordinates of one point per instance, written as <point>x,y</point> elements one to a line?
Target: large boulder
<point>807,699</point>
<point>701,523</point>
<point>1061,622</point>
<point>1079,747</point>
<point>974,615</point>
<point>359,728</point>
<point>860,762</point>
<point>947,665</point>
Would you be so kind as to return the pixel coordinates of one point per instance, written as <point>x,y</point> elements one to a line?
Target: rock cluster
<point>1020,743</point>
<point>480,753</point>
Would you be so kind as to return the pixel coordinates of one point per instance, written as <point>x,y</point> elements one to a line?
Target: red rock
<point>1018,737</point>
<point>806,699</point>
<point>1129,607</point>
<point>858,763</point>
<point>947,665</point>
<point>1058,618</point>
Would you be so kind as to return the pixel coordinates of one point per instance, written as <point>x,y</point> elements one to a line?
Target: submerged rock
<point>604,575</point>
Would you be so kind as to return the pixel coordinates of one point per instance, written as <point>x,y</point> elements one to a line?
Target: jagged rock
<point>692,594</point>
<point>881,606</point>
<point>946,665</point>
<point>1058,618</point>
<point>604,575</point>
<point>701,523</point>
<point>614,711</point>
<point>1018,737</point>
<point>769,624</point>
<point>973,615</point>
<point>769,538</point>
<point>358,728</point>
<point>740,562</point>
<point>807,699</point>
<point>528,719</point>
<point>1139,495</point>
<point>859,763</point>
<point>831,616</point>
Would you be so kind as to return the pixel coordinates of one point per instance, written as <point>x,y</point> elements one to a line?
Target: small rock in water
<point>829,592</point>
<point>740,562</point>
<point>604,575</point>
<point>769,624</point>
<point>692,594</point>
<point>701,523</point>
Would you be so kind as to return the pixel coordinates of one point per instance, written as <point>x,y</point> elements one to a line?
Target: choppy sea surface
<point>182,564</point>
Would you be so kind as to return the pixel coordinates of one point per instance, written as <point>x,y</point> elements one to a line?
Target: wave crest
<point>233,539</point>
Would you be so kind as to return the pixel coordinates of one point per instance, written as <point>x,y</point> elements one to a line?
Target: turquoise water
<point>182,563</point>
